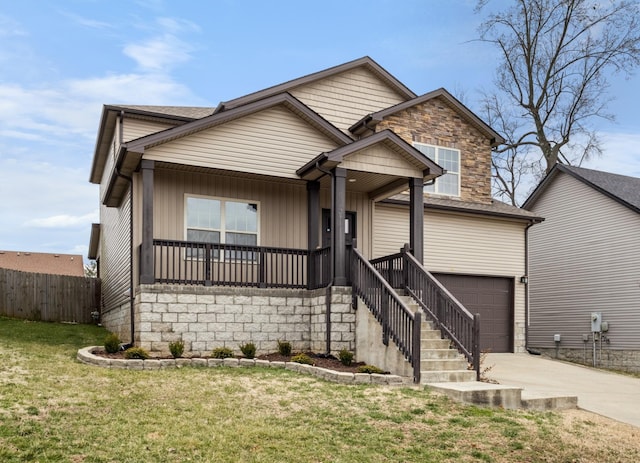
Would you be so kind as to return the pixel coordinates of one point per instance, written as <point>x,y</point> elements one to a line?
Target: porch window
<point>449,159</point>
<point>222,221</point>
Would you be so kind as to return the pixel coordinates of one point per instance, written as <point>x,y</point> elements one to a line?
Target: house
<point>584,263</point>
<point>42,262</point>
<point>273,215</point>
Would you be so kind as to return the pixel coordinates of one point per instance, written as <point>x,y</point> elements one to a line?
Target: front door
<point>349,227</point>
<point>349,231</point>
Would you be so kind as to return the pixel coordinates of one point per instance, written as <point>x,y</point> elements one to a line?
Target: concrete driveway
<point>609,394</point>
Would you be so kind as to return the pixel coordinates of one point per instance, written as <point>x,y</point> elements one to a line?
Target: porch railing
<point>186,262</point>
<point>397,320</point>
<point>454,321</point>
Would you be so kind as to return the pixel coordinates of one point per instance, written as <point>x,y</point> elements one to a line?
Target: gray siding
<point>114,254</point>
<point>585,257</point>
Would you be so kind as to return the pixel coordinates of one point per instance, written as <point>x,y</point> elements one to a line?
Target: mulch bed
<point>319,360</point>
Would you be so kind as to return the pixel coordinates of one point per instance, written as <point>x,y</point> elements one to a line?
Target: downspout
<point>130,180</point>
<point>327,295</point>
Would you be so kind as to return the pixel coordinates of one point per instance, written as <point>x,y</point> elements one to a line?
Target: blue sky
<point>60,61</point>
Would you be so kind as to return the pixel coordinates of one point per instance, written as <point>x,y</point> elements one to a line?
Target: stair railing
<point>455,322</point>
<point>398,322</point>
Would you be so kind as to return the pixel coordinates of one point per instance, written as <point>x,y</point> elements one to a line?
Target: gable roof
<point>374,118</point>
<point>40,262</point>
<point>365,61</point>
<point>621,188</point>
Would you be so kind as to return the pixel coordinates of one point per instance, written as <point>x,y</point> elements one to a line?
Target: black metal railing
<point>454,321</point>
<point>398,322</point>
<point>193,263</point>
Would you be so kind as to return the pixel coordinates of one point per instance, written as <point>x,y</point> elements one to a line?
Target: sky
<point>61,60</point>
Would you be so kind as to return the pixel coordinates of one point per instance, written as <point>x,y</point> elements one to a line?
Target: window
<point>222,221</point>
<point>449,159</point>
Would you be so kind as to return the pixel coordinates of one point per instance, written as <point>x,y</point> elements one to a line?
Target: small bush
<point>176,348</point>
<point>302,358</point>
<point>248,350</point>
<point>346,357</point>
<point>369,369</point>
<point>136,353</point>
<point>112,343</point>
<point>284,348</point>
<point>222,353</point>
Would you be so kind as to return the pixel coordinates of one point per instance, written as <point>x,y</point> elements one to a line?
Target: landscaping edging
<point>86,355</point>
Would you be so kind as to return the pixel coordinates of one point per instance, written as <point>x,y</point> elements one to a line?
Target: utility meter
<point>596,322</point>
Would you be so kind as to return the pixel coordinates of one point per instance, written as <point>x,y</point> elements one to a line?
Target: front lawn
<point>54,409</point>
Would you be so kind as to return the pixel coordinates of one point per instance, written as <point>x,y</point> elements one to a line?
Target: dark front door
<point>349,227</point>
<point>349,231</point>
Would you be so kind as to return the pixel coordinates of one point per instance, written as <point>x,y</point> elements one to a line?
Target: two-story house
<point>269,217</point>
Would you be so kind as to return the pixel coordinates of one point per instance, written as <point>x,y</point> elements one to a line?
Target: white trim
<point>437,149</point>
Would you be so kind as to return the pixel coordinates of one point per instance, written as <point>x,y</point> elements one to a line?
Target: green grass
<point>54,409</point>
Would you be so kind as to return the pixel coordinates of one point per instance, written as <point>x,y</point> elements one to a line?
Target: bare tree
<point>555,59</point>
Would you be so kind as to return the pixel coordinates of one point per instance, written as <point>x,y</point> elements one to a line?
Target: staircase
<point>439,362</point>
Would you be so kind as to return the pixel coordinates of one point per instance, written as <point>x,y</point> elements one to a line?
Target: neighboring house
<point>240,222</point>
<point>585,259</point>
<point>42,262</point>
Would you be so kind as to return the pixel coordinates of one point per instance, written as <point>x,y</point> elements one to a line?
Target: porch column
<point>313,215</point>
<point>416,218</point>
<point>146,252</point>
<point>338,239</point>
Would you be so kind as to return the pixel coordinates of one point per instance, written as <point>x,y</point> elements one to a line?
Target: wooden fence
<point>53,298</point>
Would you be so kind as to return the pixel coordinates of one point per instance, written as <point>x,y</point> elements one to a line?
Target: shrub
<point>136,353</point>
<point>346,357</point>
<point>248,350</point>
<point>369,369</point>
<point>222,353</point>
<point>302,358</point>
<point>112,343</point>
<point>284,348</point>
<point>176,348</point>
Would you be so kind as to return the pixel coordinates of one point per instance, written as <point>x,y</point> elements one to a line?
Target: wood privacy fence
<point>52,298</point>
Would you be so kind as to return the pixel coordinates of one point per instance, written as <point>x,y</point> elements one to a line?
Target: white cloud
<point>621,154</point>
<point>10,27</point>
<point>88,22</point>
<point>64,221</point>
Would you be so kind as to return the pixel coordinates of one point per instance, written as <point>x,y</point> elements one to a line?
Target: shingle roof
<point>39,262</point>
<point>621,188</point>
<point>193,112</point>
<point>494,208</point>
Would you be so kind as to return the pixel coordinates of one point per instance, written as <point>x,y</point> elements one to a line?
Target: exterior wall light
<point>524,279</point>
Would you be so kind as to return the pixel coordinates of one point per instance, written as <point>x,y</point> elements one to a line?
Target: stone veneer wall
<point>622,360</point>
<point>209,317</point>
<point>118,321</point>
<point>435,123</point>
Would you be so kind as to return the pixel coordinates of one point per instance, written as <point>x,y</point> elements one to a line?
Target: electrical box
<point>596,322</point>
<point>585,338</point>
<point>604,326</point>
<point>556,338</point>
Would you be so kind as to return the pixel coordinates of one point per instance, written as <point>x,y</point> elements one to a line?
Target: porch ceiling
<point>377,186</point>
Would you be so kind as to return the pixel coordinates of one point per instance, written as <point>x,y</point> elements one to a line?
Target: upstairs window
<point>222,221</point>
<point>449,159</point>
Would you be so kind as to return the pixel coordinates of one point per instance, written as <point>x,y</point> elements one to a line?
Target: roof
<point>621,188</point>
<point>39,262</point>
<point>365,61</point>
<point>190,112</point>
<point>494,209</point>
<point>375,118</point>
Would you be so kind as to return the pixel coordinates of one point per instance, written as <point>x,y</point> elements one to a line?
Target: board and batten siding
<point>585,257</point>
<point>272,142</point>
<point>461,244</point>
<point>347,97</point>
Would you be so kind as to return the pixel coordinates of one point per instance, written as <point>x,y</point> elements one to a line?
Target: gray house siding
<point>585,257</point>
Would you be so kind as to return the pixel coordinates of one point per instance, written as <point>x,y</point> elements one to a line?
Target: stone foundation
<point>621,360</point>
<point>205,318</point>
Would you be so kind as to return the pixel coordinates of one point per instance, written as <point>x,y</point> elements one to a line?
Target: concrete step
<point>430,334</point>
<point>439,354</point>
<point>477,393</point>
<point>443,364</point>
<point>452,376</point>
<point>434,344</point>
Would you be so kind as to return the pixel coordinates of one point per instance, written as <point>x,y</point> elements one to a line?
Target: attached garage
<point>492,298</point>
